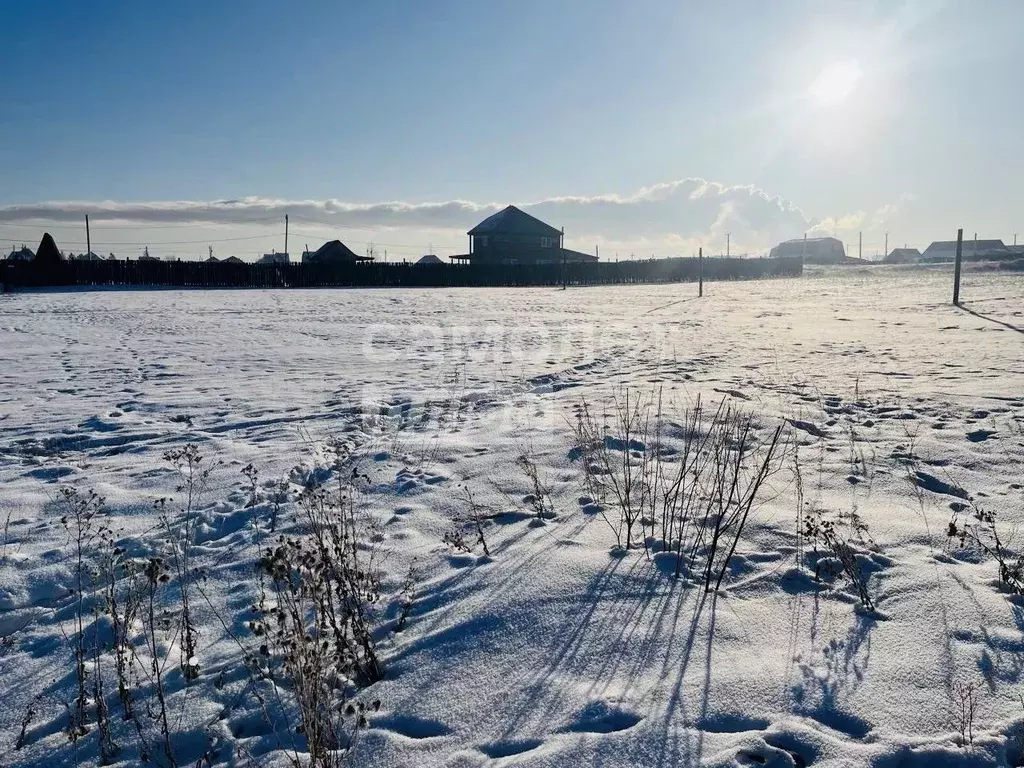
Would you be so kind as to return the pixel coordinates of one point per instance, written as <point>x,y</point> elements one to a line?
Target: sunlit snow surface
<point>552,653</point>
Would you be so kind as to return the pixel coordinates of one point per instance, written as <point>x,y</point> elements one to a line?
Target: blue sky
<point>667,123</point>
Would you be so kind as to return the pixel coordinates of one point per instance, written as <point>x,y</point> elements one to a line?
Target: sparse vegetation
<point>539,497</point>
<point>701,492</point>
<point>180,530</point>
<point>318,632</point>
<point>964,709</point>
<point>469,526</point>
<point>836,535</point>
<point>79,518</point>
<point>978,529</point>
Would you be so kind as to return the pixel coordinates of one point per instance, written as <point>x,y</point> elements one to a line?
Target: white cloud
<point>686,211</point>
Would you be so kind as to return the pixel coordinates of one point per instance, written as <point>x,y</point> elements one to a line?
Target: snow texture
<point>551,652</point>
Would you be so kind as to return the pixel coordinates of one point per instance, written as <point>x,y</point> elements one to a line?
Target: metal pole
<point>88,239</point>
<point>286,234</point>
<point>956,273</point>
<point>860,245</point>
<point>728,237</point>
<point>700,271</point>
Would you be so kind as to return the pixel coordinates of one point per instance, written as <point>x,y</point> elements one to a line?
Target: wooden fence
<point>202,274</point>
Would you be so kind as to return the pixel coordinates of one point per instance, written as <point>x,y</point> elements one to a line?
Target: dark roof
<point>233,260</point>
<point>950,245</point>
<point>901,256</point>
<point>24,254</point>
<point>274,258</point>
<point>429,259</point>
<point>48,249</point>
<point>512,221</point>
<point>333,251</point>
<point>822,250</point>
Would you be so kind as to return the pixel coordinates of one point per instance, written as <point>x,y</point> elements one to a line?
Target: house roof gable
<point>512,221</point>
<point>334,249</point>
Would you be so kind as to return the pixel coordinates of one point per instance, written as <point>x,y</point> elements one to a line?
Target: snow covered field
<point>551,652</point>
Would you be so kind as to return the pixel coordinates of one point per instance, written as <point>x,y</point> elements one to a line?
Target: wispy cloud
<point>690,210</point>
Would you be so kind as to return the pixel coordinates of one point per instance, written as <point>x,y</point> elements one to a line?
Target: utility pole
<point>860,246</point>
<point>210,249</point>
<point>886,244</point>
<point>286,233</point>
<point>956,272</point>
<point>728,236</point>
<point>88,239</point>
<point>975,252</point>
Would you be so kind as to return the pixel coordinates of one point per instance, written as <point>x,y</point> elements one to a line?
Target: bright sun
<point>836,82</point>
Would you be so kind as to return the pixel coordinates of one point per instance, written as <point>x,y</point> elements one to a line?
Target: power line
<point>409,246</point>
<point>118,227</point>
<point>204,241</point>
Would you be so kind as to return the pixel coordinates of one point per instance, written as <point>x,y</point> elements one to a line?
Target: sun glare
<point>836,82</point>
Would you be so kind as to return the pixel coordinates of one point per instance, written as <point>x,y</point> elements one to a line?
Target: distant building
<point>47,253</point>
<point>815,250</point>
<point>333,252</point>
<point>233,260</point>
<point>213,260</point>
<point>429,259</point>
<point>902,256</point>
<point>512,236</point>
<point>274,258</point>
<point>945,250</point>
<point>22,254</point>
<point>87,257</point>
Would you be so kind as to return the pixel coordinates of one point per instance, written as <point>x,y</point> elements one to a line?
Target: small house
<point>429,259</point>
<point>902,256</point>
<point>22,254</point>
<point>814,250</point>
<point>512,236</point>
<point>945,250</point>
<point>333,252</point>
<point>274,258</point>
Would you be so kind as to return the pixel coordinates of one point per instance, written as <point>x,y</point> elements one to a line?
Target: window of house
<point>545,242</point>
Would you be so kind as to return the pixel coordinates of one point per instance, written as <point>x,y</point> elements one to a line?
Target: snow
<point>553,651</point>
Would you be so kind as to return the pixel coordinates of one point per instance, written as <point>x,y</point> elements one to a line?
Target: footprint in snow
<point>499,749</point>
<point>603,717</point>
<point>980,435</point>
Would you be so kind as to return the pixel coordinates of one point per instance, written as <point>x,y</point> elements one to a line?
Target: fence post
<point>956,271</point>
<point>700,272</point>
